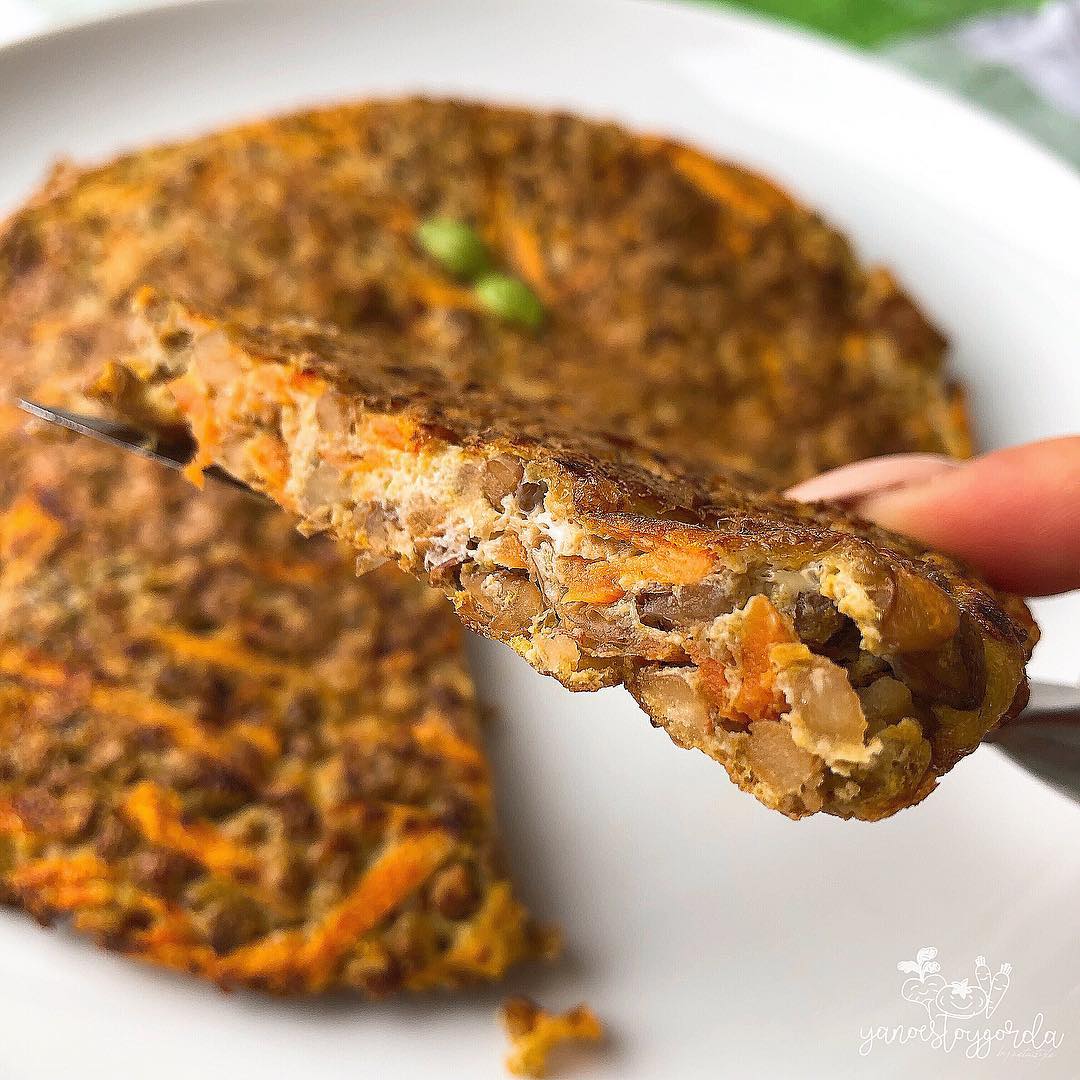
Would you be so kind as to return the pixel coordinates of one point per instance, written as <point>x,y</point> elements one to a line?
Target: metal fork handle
<point>1045,738</point>
<point>175,453</point>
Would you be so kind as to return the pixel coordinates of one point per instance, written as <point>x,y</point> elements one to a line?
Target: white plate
<point>715,938</point>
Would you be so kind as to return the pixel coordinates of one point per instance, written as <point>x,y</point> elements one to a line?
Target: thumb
<point>1013,514</point>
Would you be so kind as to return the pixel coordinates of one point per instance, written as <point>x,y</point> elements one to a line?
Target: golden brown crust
<point>630,491</point>
<point>690,305</point>
<point>223,753</point>
<point>359,437</point>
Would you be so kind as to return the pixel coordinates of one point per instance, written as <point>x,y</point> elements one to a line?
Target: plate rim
<point>761,26</point>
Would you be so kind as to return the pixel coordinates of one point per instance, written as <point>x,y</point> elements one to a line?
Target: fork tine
<point>130,439</point>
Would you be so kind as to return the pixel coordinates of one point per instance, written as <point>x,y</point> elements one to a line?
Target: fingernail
<point>851,483</point>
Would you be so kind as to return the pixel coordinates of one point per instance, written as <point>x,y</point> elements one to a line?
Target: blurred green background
<point>872,22</point>
<point>1029,75</point>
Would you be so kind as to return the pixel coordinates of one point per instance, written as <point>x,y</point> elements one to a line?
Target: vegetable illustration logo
<point>962,999</point>
<point>959,1012</point>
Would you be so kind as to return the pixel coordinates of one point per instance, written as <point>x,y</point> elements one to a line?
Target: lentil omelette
<point>827,664</point>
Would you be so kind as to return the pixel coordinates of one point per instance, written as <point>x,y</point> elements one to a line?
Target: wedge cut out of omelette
<point>826,664</point>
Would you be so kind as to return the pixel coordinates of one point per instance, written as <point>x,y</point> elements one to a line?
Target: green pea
<point>510,299</point>
<point>454,245</point>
